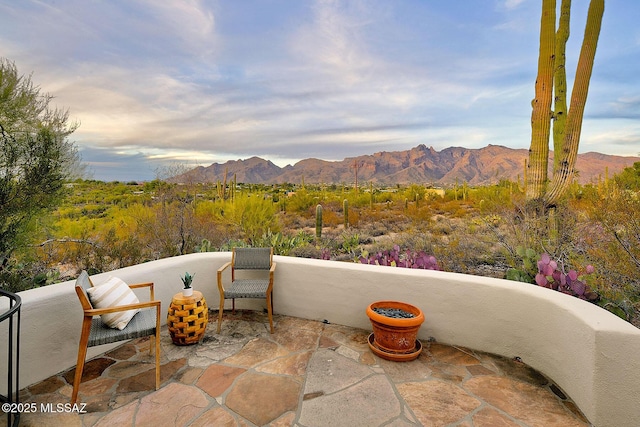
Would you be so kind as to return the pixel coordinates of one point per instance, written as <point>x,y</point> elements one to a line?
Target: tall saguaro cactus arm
<point>541,114</point>
<point>560,81</point>
<point>318,221</point>
<point>563,175</point>
<point>345,209</point>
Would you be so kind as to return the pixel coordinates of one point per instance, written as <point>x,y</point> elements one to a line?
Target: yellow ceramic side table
<point>187,318</point>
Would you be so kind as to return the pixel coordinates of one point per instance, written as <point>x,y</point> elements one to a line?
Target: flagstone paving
<point>306,374</point>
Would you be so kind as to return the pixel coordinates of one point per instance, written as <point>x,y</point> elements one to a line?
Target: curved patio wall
<point>591,354</point>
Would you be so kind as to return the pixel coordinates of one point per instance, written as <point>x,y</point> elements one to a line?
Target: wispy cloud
<point>198,81</point>
<point>512,4</point>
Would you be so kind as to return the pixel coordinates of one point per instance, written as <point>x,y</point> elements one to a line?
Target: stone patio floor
<point>306,374</point>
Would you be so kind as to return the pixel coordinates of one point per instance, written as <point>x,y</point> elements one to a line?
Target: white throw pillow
<point>112,293</point>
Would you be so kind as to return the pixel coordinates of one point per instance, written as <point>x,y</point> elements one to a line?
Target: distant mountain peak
<point>420,164</point>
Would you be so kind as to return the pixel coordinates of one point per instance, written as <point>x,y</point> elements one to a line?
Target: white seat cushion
<point>112,293</point>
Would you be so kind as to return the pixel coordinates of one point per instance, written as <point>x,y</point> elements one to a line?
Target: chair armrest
<point>144,285</point>
<point>141,285</point>
<point>220,270</point>
<point>99,311</point>
<point>271,270</point>
<point>224,266</point>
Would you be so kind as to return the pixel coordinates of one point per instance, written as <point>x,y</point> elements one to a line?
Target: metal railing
<point>12,399</point>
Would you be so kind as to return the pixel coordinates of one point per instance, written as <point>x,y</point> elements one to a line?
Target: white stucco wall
<point>590,353</point>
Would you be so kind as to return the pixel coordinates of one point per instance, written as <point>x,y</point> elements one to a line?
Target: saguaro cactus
<point>560,80</point>
<point>563,174</point>
<point>541,104</point>
<point>371,197</point>
<point>345,208</point>
<point>319,222</point>
<point>552,77</point>
<point>232,192</point>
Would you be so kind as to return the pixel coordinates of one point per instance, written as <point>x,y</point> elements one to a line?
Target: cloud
<point>612,136</point>
<point>627,107</point>
<point>203,81</point>
<point>512,4</point>
<point>106,164</point>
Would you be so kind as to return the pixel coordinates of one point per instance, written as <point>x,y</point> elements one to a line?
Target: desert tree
<point>36,157</point>
<point>550,102</point>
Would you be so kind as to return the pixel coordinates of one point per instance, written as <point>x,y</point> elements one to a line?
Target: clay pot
<point>393,338</point>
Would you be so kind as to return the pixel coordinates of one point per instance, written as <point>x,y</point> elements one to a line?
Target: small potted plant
<point>186,280</point>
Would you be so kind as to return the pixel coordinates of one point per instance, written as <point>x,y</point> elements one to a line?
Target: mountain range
<point>420,165</point>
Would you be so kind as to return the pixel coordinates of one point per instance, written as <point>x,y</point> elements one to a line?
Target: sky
<point>159,85</point>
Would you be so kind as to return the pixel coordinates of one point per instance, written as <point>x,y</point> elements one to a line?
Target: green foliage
<point>282,244</point>
<point>612,243</point>
<point>205,246</point>
<point>528,259</point>
<point>46,278</point>
<point>629,178</point>
<point>233,243</point>
<point>350,244</point>
<point>187,279</point>
<point>301,201</point>
<point>518,275</point>
<point>35,156</point>
<point>495,197</point>
<point>623,308</point>
<point>102,226</point>
<point>17,276</point>
<point>253,214</point>
<point>414,192</point>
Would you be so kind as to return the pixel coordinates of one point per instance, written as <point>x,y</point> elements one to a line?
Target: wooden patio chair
<point>146,322</point>
<point>256,259</point>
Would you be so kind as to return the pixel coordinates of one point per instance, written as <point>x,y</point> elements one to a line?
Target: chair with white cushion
<point>115,304</point>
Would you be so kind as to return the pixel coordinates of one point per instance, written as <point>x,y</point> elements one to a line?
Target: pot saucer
<point>393,356</point>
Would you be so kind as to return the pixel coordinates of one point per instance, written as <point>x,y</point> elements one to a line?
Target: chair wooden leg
<point>233,305</point>
<point>271,298</point>
<point>220,314</point>
<point>157,348</point>
<point>270,311</point>
<point>82,354</point>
